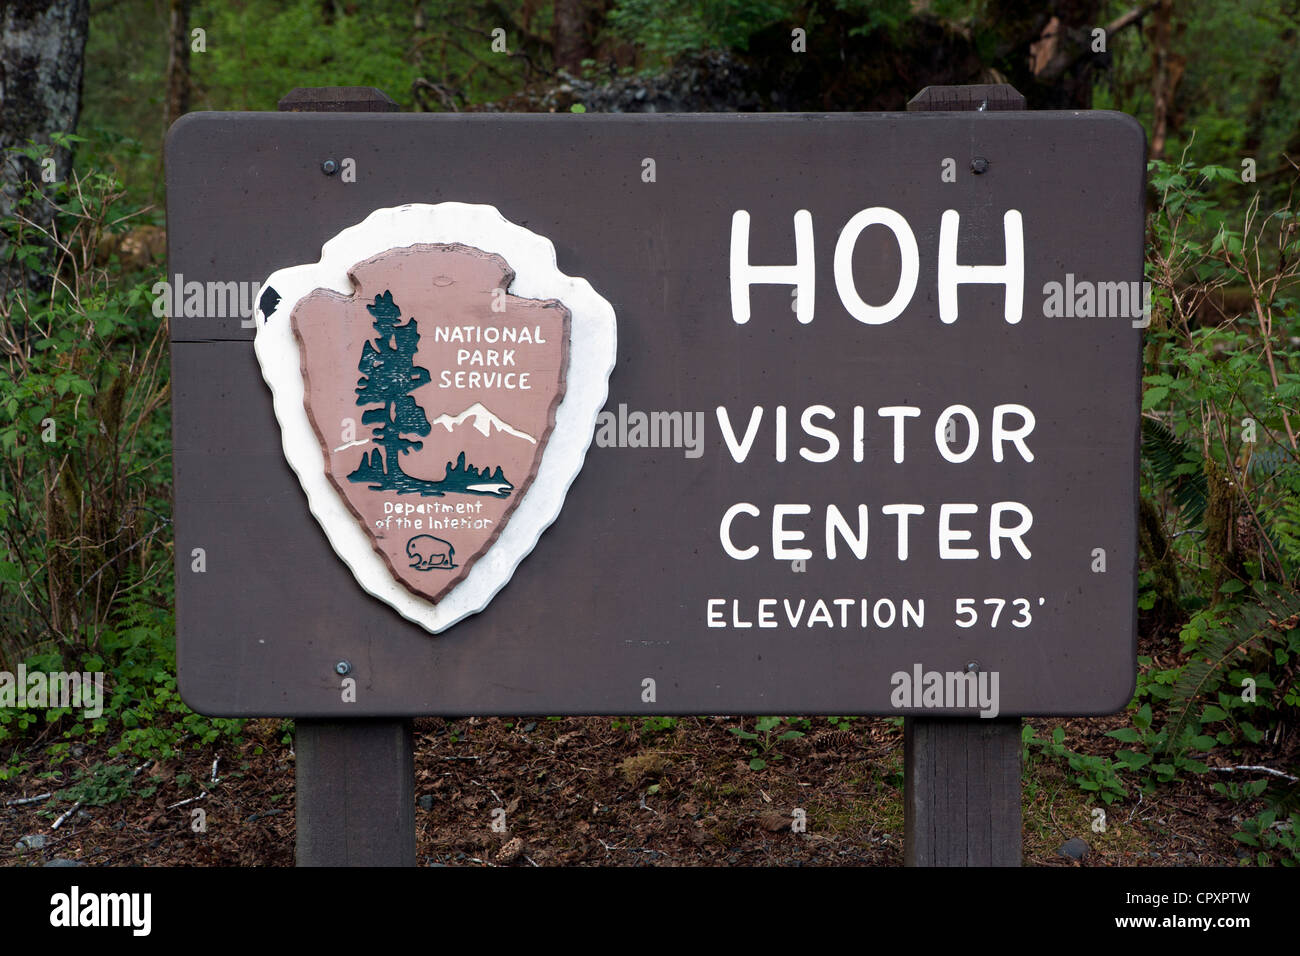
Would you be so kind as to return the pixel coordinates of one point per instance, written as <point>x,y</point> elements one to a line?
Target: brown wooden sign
<point>869,443</point>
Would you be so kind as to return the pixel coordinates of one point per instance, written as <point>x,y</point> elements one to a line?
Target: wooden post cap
<point>336,99</point>
<point>983,96</point>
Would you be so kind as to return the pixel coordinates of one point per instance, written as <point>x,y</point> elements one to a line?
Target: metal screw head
<point>979,165</point>
<point>342,667</point>
<point>329,167</point>
<point>973,667</point>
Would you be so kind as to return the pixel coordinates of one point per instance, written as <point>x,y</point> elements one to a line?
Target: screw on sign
<point>460,407</point>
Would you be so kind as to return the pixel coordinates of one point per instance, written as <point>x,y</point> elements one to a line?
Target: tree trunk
<point>178,62</point>
<point>574,27</point>
<point>42,45</point>
<point>1166,71</point>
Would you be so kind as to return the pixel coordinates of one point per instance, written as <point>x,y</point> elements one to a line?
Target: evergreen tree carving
<point>388,377</point>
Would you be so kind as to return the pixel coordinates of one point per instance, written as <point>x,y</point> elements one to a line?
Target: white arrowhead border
<point>592,353</point>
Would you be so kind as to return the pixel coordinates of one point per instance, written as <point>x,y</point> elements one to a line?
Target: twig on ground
<point>21,800</point>
<point>71,810</point>
<point>182,803</point>
<point>1254,768</point>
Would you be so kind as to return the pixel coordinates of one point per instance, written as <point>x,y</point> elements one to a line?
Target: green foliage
<point>143,715</point>
<point>651,727</point>
<point>1236,95</point>
<point>257,51</point>
<point>667,30</point>
<point>86,574</point>
<point>1227,647</point>
<point>1153,762</point>
<point>654,726</point>
<point>1218,390</point>
<point>154,722</point>
<point>121,100</point>
<point>84,443</point>
<point>1155,684</point>
<point>1177,467</point>
<point>98,785</point>
<point>1274,840</point>
<point>1240,791</point>
<point>766,735</point>
<point>664,31</point>
<point>888,15</point>
<point>1093,774</point>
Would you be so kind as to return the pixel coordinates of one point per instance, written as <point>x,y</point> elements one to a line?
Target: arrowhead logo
<point>437,380</point>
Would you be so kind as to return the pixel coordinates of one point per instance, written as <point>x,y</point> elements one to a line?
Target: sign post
<point>536,414</point>
<point>354,780</point>
<point>961,778</point>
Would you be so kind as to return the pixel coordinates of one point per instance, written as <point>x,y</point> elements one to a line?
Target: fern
<point>1177,466</point>
<point>1215,651</point>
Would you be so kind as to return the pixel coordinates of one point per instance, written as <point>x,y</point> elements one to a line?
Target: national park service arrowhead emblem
<point>437,380</point>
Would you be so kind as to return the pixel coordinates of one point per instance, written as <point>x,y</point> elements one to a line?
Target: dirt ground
<point>609,792</point>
